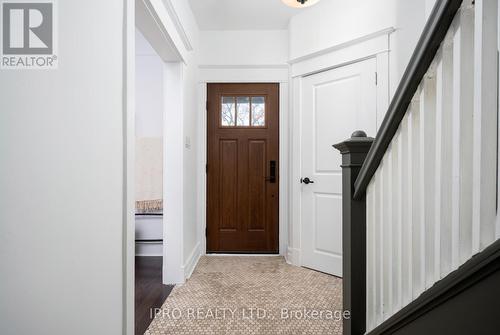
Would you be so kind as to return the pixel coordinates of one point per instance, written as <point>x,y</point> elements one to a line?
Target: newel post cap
<point>359,142</point>
<point>358,133</point>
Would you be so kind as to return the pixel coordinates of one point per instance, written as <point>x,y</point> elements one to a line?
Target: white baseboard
<point>149,249</point>
<point>292,256</point>
<point>191,262</point>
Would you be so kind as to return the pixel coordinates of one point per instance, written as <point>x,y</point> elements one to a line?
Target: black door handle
<point>272,172</point>
<point>306,181</point>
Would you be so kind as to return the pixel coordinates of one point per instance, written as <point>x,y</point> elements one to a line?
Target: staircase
<point>420,224</point>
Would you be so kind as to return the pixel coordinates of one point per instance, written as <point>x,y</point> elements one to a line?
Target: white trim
<point>159,28</point>
<point>294,241</point>
<point>193,259</point>
<point>246,75</point>
<point>128,234</point>
<point>202,161</point>
<point>293,256</point>
<point>284,166</point>
<point>376,45</point>
<point>383,32</point>
<point>173,175</point>
<point>178,25</point>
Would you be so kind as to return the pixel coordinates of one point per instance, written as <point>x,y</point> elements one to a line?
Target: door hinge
<point>206,231</point>
<point>207,105</point>
<point>206,168</point>
<point>376,78</point>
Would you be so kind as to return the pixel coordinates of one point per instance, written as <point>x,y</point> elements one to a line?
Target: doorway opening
<point>242,168</point>
<point>150,292</point>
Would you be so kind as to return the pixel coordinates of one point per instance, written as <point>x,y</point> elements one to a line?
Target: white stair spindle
<point>444,97</point>
<point>485,124</point>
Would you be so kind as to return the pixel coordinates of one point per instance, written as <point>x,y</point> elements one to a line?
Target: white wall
<point>333,22</point>
<point>257,47</point>
<point>429,5</point>
<point>188,32</point>
<point>62,181</point>
<point>149,90</point>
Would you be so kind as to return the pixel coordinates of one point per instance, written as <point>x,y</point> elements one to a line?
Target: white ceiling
<point>242,14</point>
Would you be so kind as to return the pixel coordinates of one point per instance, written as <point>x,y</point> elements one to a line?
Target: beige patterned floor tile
<point>252,295</point>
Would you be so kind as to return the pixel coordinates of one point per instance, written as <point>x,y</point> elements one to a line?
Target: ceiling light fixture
<point>300,3</point>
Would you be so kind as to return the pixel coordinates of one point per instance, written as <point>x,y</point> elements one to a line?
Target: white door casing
<point>249,74</point>
<point>333,104</point>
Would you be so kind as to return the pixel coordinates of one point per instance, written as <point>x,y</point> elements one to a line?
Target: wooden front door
<point>242,171</point>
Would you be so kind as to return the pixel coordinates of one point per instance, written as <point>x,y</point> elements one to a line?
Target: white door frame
<point>245,74</point>
<point>374,45</point>
<point>128,234</point>
<point>155,21</point>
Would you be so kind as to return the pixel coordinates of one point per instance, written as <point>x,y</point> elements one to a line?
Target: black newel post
<point>354,151</point>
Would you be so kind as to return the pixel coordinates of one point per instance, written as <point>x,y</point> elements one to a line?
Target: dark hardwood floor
<point>149,290</point>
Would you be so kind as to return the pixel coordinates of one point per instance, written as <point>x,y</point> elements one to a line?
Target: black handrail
<point>433,34</point>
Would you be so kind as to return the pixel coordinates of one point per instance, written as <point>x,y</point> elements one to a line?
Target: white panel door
<point>334,103</point>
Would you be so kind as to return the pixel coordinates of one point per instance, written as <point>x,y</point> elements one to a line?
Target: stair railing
<point>421,199</point>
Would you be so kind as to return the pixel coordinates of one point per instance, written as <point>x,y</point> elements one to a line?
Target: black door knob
<point>306,180</point>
